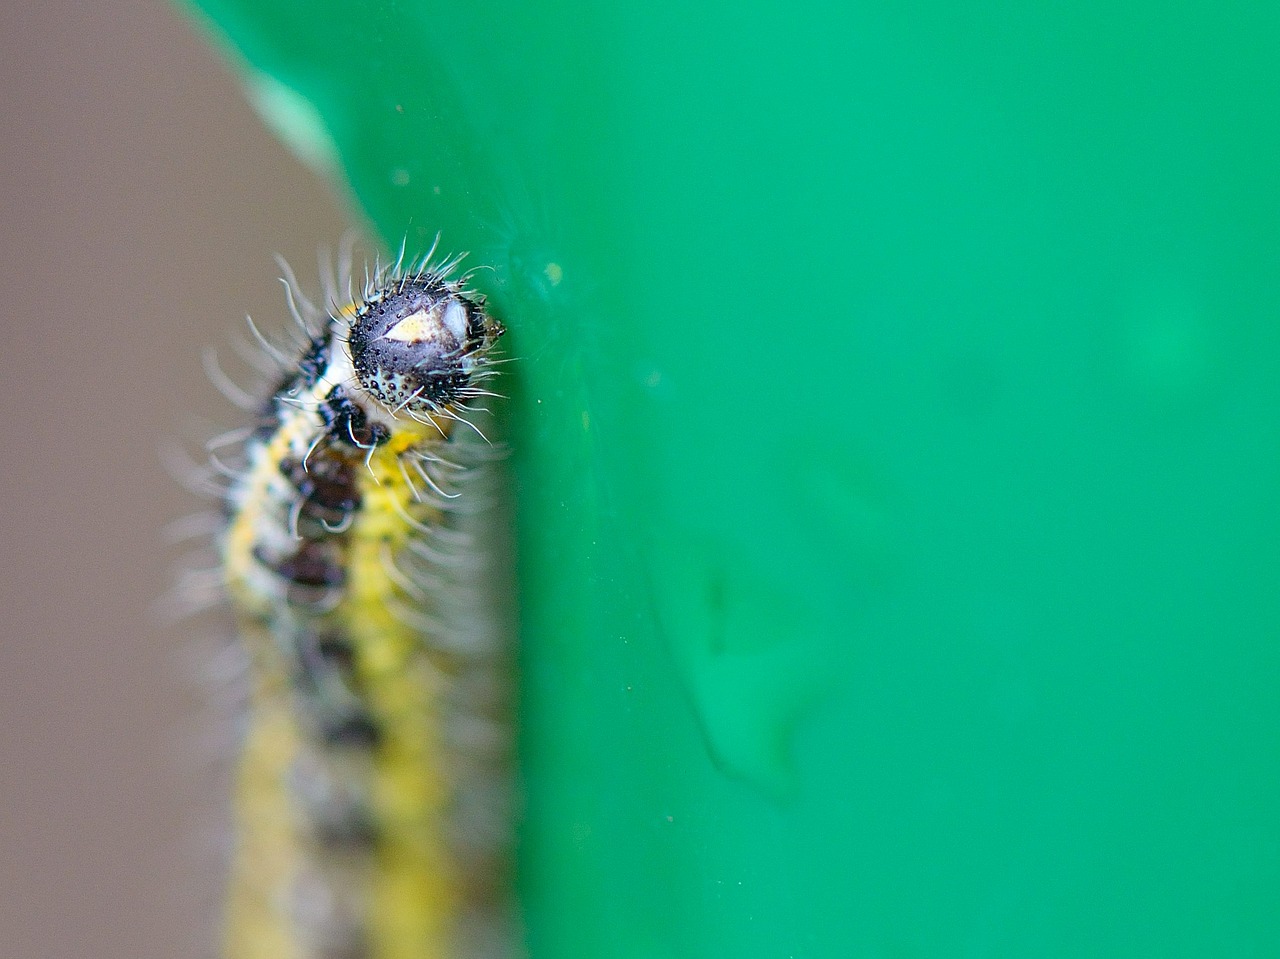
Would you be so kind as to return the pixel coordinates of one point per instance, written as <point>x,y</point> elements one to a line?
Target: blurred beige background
<point>141,204</point>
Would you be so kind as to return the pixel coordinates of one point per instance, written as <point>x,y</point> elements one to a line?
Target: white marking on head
<point>420,327</point>
<point>455,318</point>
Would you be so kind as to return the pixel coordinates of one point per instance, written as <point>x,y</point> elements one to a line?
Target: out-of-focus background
<point>140,204</point>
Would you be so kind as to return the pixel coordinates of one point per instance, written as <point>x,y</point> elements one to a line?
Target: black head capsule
<point>416,345</point>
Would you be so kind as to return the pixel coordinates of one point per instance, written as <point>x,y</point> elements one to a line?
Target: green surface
<point>897,452</point>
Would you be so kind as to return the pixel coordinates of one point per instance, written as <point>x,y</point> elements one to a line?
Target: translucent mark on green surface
<point>295,120</point>
<point>747,694</point>
<point>756,652</point>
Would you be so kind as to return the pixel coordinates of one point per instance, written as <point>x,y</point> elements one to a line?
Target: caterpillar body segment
<point>373,795</point>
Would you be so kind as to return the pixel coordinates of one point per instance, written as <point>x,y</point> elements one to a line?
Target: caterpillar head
<point>420,343</point>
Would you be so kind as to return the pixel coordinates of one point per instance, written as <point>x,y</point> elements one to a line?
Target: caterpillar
<point>372,801</point>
